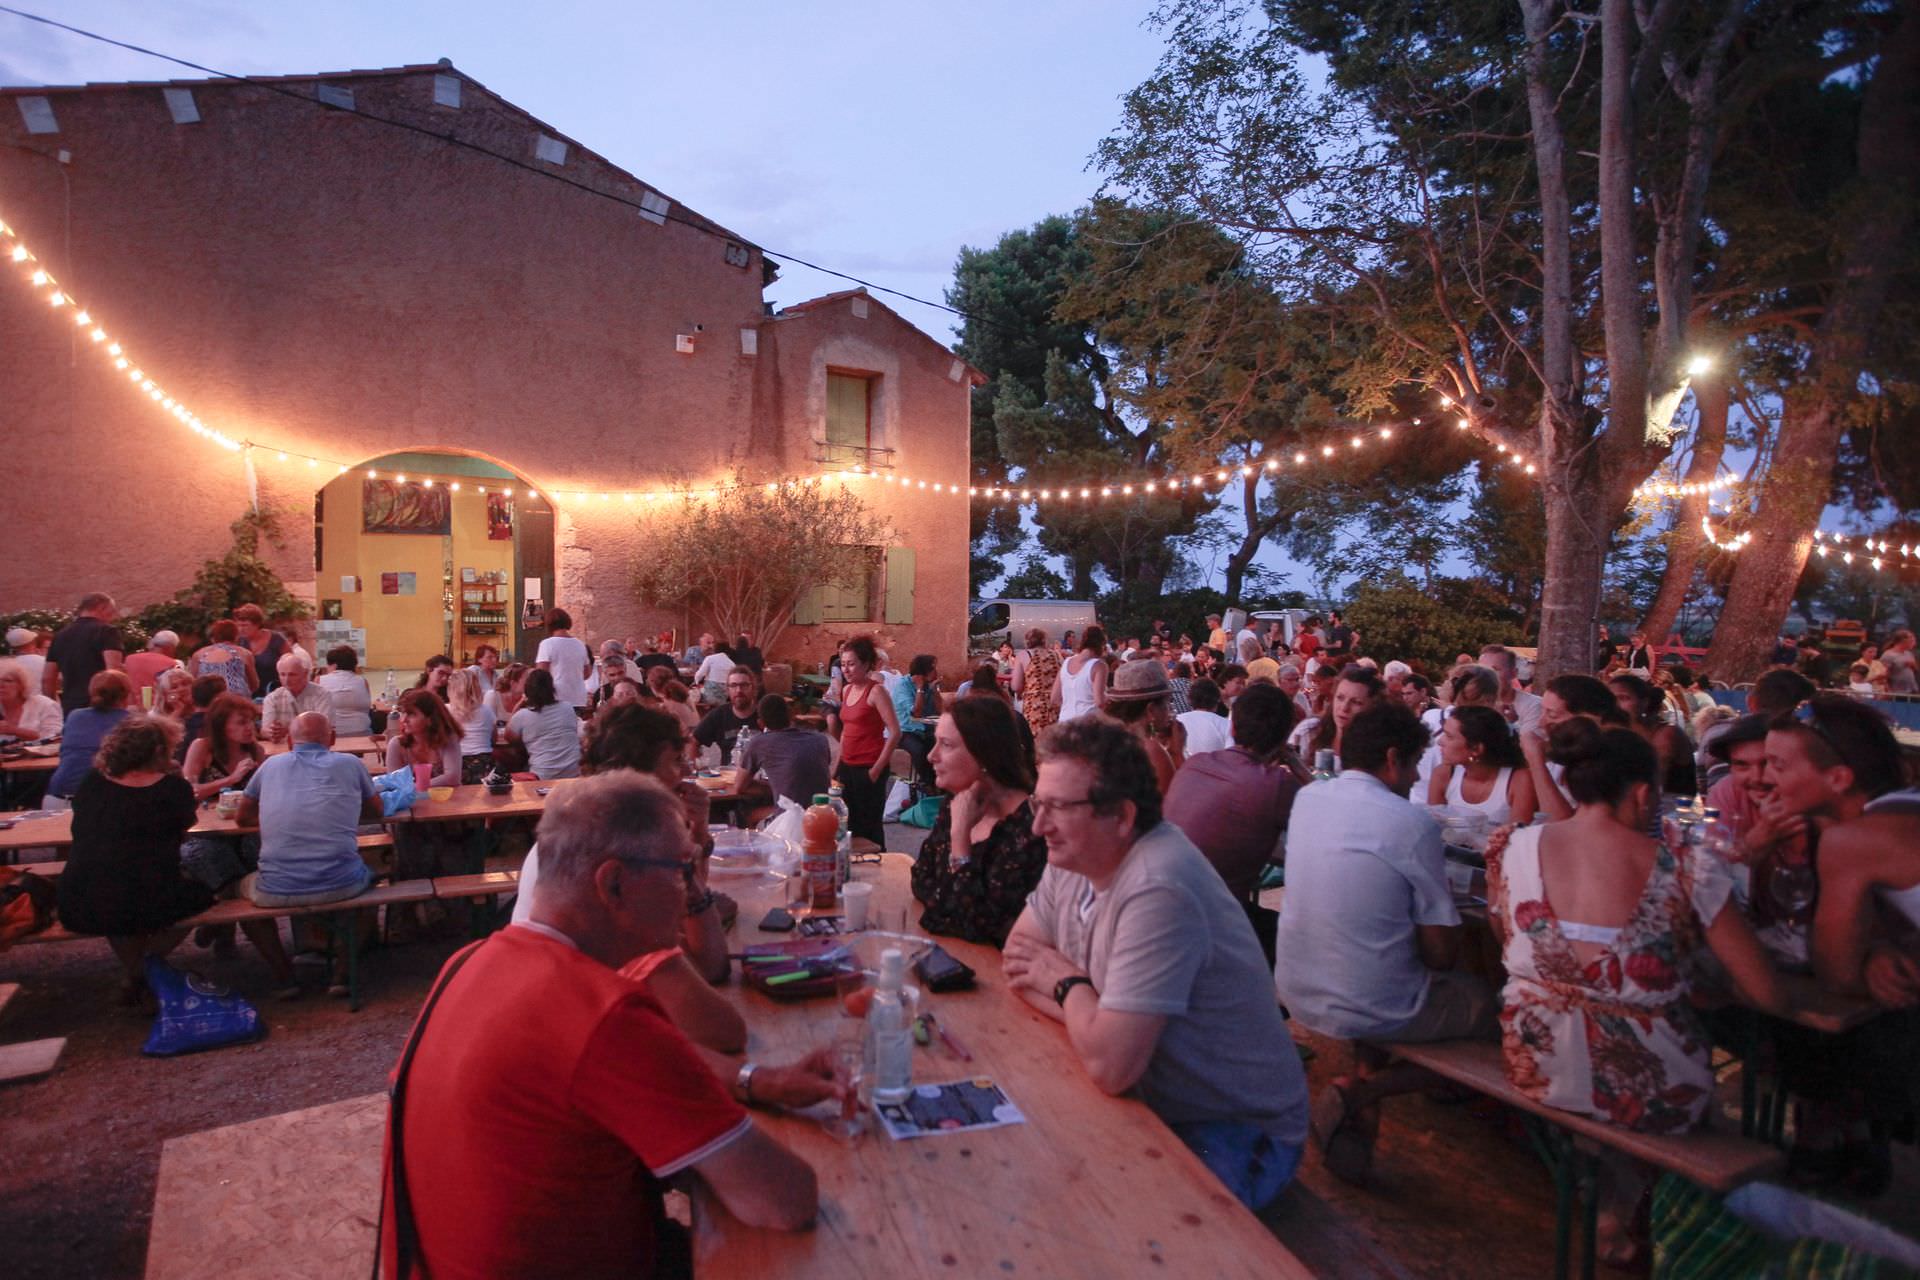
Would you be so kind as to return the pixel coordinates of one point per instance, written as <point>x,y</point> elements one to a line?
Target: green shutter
<point>806,610</point>
<point>847,398</point>
<point>899,584</point>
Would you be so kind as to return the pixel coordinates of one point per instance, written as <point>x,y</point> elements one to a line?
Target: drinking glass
<point>848,1121</point>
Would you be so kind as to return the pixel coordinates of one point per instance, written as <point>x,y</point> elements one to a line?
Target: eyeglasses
<point>1056,806</point>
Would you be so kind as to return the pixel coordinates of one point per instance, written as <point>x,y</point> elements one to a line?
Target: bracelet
<point>743,1083</point>
<point>696,905</point>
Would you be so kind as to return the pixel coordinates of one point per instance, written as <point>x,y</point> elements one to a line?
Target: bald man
<point>308,804</point>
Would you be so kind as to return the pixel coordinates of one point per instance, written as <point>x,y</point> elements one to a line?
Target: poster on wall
<point>389,506</point>
<point>397,584</point>
<point>499,518</point>
<point>331,611</point>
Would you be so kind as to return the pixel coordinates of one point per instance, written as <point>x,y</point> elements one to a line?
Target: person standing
<point>224,656</point>
<point>81,650</point>
<point>1081,689</point>
<point>868,731</point>
<point>1903,667</point>
<point>1035,669</point>
<point>566,658</point>
<point>1640,656</point>
<point>262,642</point>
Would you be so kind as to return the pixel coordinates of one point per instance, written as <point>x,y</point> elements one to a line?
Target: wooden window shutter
<point>806,610</point>
<point>847,411</point>
<point>899,584</point>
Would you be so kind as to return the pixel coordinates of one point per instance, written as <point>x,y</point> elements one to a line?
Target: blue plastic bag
<point>196,1014</point>
<point>396,791</point>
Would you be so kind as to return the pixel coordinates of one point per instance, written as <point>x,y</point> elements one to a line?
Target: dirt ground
<point>1456,1191</point>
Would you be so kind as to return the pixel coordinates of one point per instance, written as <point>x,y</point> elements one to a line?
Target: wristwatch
<point>743,1083</point>
<point>1067,984</point>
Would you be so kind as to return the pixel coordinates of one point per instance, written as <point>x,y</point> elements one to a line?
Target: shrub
<point>1399,619</point>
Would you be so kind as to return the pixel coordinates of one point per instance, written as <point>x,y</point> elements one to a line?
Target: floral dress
<point>1613,1038</point>
<point>981,898</point>
<point>1036,695</point>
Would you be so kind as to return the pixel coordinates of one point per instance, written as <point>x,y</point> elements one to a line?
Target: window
<point>853,600</point>
<point>849,417</point>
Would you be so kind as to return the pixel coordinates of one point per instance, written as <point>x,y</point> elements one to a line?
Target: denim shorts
<point>1246,1159</point>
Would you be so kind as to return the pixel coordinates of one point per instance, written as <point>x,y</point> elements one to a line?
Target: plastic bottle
<point>1323,765</point>
<point>843,843</point>
<point>889,1041</point>
<point>818,827</point>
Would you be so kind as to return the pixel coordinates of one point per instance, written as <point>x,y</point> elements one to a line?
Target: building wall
<point>318,283</point>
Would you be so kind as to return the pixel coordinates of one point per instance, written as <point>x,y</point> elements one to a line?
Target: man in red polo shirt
<point>548,1098</point>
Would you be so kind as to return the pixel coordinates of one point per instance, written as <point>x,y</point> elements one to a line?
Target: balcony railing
<point>845,457</point>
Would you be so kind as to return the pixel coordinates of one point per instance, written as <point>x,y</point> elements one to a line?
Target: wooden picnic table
<point>1089,1185</point>
<point>353,746</point>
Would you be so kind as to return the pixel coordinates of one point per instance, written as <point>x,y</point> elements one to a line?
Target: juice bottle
<point>819,831</point>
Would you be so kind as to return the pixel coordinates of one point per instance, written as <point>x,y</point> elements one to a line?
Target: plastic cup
<point>422,775</point>
<point>228,804</point>
<point>858,897</point>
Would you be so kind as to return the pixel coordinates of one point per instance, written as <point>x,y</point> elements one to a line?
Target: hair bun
<point>1576,741</point>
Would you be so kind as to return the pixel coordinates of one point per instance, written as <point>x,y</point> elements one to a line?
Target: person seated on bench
<point>641,740</point>
<point>1598,924</point>
<point>308,803</point>
<point>547,1098</point>
<point>1369,933</point>
<point>798,762</point>
<point>1134,943</point>
<point>123,877</point>
<point>1234,804</point>
<point>1835,766</point>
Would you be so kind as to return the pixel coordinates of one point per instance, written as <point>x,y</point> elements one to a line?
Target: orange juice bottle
<point>820,837</point>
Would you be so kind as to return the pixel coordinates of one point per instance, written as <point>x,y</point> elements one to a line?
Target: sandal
<point>1336,1130</point>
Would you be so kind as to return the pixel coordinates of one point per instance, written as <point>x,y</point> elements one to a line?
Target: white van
<point>1001,619</point>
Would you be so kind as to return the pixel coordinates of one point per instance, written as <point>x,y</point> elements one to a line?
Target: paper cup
<point>858,896</point>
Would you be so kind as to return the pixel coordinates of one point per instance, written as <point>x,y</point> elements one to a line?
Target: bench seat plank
<point>29,1059</point>
<point>485,884</point>
<point>1719,1161</point>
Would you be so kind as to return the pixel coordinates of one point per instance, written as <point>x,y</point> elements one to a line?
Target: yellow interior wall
<point>403,631</point>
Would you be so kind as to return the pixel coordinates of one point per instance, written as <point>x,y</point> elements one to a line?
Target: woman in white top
<point>711,678</point>
<point>352,700</point>
<point>25,712</point>
<point>566,658</point>
<point>549,728</point>
<point>1481,768</point>
<point>466,703</point>
<point>1081,689</point>
<point>486,660</point>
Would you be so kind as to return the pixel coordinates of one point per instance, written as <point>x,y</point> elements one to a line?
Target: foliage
<point>49,620</point>
<point>1132,612</point>
<point>185,619</point>
<point>1035,579</point>
<point>742,560</point>
<point>241,576</point>
<point>1398,618</point>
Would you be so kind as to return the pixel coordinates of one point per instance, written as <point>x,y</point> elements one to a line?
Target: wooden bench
<point>1721,1162</point>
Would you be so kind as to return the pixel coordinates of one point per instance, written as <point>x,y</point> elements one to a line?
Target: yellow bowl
<point>439,793</point>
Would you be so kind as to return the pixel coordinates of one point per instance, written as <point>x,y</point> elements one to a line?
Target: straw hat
<point>1141,680</point>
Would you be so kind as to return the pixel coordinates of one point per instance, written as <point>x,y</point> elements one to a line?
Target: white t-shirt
<point>1364,870</point>
<point>476,735</point>
<point>1205,731</point>
<point>1527,708</point>
<point>714,669</point>
<point>352,702</point>
<point>567,658</point>
<point>552,735</point>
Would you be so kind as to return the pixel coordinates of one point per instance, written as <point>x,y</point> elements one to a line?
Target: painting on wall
<point>331,610</point>
<point>390,506</point>
<point>499,518</point>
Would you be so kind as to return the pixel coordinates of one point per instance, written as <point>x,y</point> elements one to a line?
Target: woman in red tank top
<point>868,731</point>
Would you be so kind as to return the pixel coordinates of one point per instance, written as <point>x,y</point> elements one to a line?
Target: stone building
<point>396,272</point>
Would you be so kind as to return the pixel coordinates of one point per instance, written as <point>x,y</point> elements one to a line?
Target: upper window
<point>849,417</point>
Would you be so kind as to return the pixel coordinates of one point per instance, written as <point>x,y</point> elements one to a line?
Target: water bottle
<point>1323,765</point>
<point>889,1043</point>
<point>843,844</point>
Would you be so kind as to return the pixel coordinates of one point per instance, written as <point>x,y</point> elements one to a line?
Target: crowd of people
<point>1109,817</point>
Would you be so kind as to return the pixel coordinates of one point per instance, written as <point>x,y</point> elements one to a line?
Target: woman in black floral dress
<point>982,859</point>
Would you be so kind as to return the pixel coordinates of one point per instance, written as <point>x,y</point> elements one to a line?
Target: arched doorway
<point>427,552</point>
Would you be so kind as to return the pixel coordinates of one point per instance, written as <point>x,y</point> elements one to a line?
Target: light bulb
<point>1386,433</point>
<point>1698,365</point>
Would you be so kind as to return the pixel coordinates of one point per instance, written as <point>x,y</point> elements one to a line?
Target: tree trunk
<point>1578,524</point>
<point>1800,479</point>
<point>1686,537</point>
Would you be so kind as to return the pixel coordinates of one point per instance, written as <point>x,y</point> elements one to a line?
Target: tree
<point>1437,197</point>
<point>1399,618</point>
<point>742,560</point>
<point>241,576</point>
<point>1820,404</point>
<point>1035,580</point>
<point>1051,414</point>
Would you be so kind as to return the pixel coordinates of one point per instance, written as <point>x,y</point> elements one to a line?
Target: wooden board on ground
<point>1089,1185</point>
<point>293,1195</point>
<point>30,1059</point>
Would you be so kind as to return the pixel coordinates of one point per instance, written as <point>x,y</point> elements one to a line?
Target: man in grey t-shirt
<point>797,762</point>
<point>1133,941</point>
